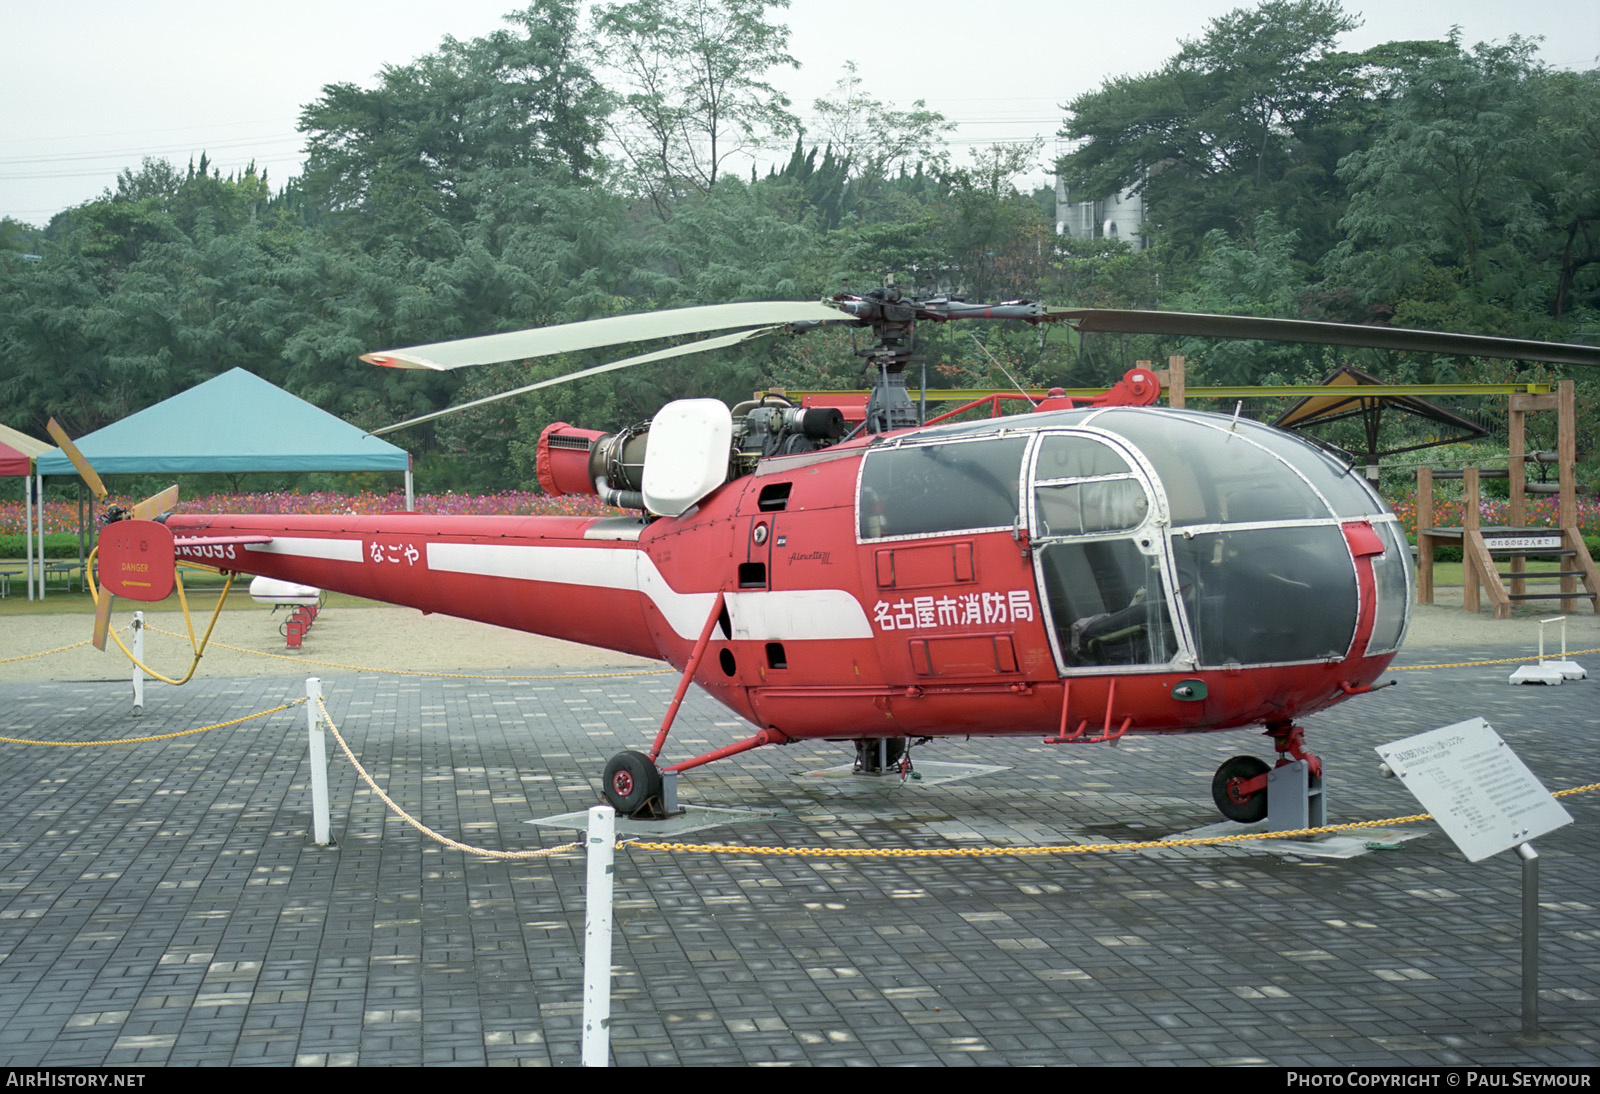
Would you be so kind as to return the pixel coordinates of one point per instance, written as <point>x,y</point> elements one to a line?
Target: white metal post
<point>319,763</point>
<point>1530,940</point>
<point>597,937</point>
<point>38,515</point>
<point>27,527</point>
<point>138,655</point>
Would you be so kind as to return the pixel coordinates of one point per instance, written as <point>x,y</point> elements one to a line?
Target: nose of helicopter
<point>1279,553</point>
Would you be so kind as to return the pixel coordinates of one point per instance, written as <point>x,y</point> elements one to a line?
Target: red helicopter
<point>1080,573</point>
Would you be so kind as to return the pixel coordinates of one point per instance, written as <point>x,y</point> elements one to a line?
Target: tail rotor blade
<point>102,619</point>
<point>70,450</point>
<point>156,504</point>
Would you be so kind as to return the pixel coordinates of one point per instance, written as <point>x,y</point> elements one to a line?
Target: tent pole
<point>27,523</point>
<point>39,512</point>
<point>411,500</point>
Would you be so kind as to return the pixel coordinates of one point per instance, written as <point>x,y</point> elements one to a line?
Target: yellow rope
<point>157,737</point>
<point>418,672</point>
<point>43,653</point>
<point>438,837</point>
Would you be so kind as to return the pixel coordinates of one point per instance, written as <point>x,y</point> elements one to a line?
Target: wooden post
<point>1470,521</point>
<point>1519,488</point>
<point>1567,465</point>
<point>1425,541</point>
<point>1175,382</point>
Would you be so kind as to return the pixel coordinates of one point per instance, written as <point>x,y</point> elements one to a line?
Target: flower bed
<point>1541,511</point>
<point>62,516</point>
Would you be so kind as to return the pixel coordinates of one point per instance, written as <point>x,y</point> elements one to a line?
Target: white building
<point>1120,216</point>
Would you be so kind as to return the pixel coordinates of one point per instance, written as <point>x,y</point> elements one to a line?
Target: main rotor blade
<point>70,450</point>
<point>1088,320</point>
<point>720,342</point>
<point>615,330</point>
<point>156,504</point>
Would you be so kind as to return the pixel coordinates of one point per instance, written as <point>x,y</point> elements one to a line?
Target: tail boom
<point>535,574</point>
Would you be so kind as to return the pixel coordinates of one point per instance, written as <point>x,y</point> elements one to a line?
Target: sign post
<point>1487,801</point>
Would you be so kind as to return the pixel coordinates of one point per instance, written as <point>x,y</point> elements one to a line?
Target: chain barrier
<point>42,653</point>
<point>605,675</point>
<point>731,849</point>
<point>1044,849</point>
<point>1500,661</point>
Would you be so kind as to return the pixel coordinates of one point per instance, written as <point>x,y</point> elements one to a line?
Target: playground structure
<point>1483,548</point>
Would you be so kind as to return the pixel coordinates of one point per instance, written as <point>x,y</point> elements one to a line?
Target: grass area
<point>201,588</point>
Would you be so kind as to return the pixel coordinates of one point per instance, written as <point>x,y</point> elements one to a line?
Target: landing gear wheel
<point>631,782</point>
<point>1245,810</point>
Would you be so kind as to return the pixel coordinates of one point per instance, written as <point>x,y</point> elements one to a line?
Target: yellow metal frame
<point>199,647</point>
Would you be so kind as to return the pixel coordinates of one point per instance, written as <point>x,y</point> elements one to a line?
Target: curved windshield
<point>1394,579</point>
<point>1219,472</point>
<point>1235,554</point>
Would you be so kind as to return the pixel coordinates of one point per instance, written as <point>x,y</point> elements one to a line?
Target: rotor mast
<point>893,319</point>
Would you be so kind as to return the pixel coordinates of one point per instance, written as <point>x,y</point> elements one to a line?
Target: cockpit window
<point>1083,508</point>
<point>1066,456</point>
<point>1217,475</point>
<point>1108,602</point>
<point>1343,488</point>
<point>949,487</point>
<point>1267,595</point>
<point>1392,572</point>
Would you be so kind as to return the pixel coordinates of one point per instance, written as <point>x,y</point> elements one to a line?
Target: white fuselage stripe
<point>758,616</point>
<point>336,550</point>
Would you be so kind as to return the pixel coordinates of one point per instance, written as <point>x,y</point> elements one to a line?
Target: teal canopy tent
<point>232,422</point>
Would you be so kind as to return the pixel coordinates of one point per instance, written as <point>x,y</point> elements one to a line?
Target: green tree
<point>1252,115</point>
<point>389,163</point>
<point>1443,181</point>
<point>1477,206</point>
<point>19,238</point>
<point>998,242</point>
<point>1256,276</point>
<point>1566,183</point>
<point>696,93</point>
<point>873,137</point>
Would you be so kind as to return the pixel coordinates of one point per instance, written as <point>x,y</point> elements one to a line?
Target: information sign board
<point>1476,787</point>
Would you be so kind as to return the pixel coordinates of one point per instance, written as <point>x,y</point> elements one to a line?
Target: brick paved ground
<point>163,904</point>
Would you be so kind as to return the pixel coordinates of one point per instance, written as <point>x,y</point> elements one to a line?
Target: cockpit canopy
<point>1160,536</point>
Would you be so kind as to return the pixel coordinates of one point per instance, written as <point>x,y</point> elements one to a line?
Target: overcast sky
<point>88,87</point>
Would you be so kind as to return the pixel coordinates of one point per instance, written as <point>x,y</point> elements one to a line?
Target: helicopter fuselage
<point>1077,575</point>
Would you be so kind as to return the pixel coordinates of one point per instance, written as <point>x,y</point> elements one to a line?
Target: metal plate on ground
<point>1338,845</point>
<point>694,818</point>
<point>844,776</point>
